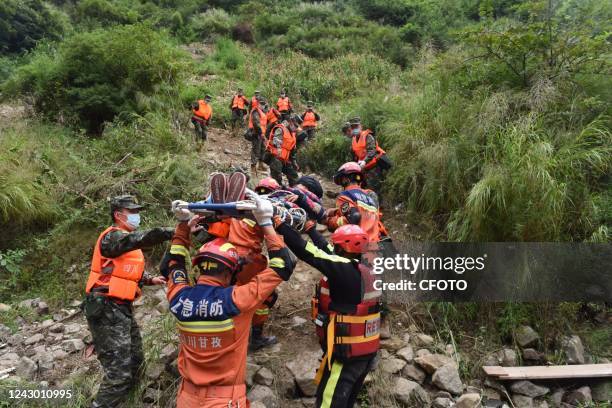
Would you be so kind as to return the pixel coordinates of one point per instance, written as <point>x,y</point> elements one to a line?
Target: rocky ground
<point>414,369</point>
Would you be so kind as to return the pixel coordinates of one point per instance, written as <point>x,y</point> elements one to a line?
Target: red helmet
<point>267,185</point>
<point>218,250</point>
<point>351,238</point>
<point>347,169</point>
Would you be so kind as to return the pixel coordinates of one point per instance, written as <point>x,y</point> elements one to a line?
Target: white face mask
<point>133,220</point>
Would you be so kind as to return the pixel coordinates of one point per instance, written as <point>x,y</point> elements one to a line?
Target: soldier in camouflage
<point>110,292</point>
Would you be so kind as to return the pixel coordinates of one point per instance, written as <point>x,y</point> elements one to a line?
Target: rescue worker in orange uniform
<point>281,152</point>
<point>255,99</point>
<point>284,105</point>
<point>115,280</point>
<point>256,134</point>
<point>369,155</point>
<point>239,106</point>
<point>202,113</point>
<point>248,239</point>
<point>310,119</point>
<point>354,205</point>
<point>345,310</point>
<point>214,316</point>
<point>272,118</point>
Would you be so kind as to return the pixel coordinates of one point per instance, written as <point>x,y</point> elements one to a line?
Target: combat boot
<point>258,340</point>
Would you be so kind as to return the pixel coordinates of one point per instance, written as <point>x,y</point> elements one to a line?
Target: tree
<point>24,22</point>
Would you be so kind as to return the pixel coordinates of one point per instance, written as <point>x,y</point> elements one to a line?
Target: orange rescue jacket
<point>309,119</point>
<point>360,149</point>
<point>283,104</point>
<point>284,152</point>
<point>120,275</point>
<point>262,120</point>
<point>238,102</point>
<point>204,110</point>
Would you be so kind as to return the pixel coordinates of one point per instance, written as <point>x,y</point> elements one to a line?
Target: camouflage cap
<point>257,91</point>
<point>125,201</point>
<point>309,104</point>
<point>207,97</point>
<point>355,121</point>
<point>346,126</point>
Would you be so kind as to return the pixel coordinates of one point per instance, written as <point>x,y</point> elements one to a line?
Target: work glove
<point>181,214</point>
<point>264,211</point>
<point>361,163</point>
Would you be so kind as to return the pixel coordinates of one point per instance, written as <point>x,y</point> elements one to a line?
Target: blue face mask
<point>355,131</point>
<point>133,220</point>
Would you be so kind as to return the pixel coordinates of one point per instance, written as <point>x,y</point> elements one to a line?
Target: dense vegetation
<point>496,113</point>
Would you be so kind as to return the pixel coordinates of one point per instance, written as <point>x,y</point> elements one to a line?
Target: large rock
<point>406,353</point>
<point>264,376</point>
<point>251,370</point>
<point>442,403</point>
<point>431,362</point>
<point>392,365</point>
<point>169,353</point>
<point>264,395</point>
<point>57,328</point>
<point>151,395</point>
<point>4,308</point>
<point>423,340</point>
<point>602,391</point>
<point>73,345</point>
<point>525,336</point>
<point>522,401</point>
<point>447,378</point>
<point>573,349</point>
<point>528,388</point>
<point>160,296</point>
<point>413,372</point>
<point>26,368</point>
<point>468,401</point>
<point>579,396</point>
<point>42,308</point>
<point>72,328</point>
<point>34,339</point>
<point>410,394</point>
<point>530,354</point>
<point>304,369</point>
<point>422,353</point>
<point>392,344</point>
<point>505,358</point>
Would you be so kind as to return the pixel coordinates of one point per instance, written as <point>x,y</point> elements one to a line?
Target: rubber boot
<point>258,340</point>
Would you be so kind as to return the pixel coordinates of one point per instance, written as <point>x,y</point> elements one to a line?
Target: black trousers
<point>340,386</point>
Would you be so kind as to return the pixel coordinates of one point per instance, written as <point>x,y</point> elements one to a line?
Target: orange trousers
<point>192,396</point>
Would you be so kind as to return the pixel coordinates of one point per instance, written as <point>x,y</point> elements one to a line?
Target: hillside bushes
<point>93,77</point>
<point>25,22</point>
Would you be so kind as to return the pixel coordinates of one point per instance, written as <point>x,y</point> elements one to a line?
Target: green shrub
<point>104,12</point>
<point>95,76</point>
<point>212,23</point>
<point>25,22</point>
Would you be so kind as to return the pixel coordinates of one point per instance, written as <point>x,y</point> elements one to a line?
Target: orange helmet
<point>217,250</point>
<point>267,185</point>
<point>351,238</point>
<point>346,170</point>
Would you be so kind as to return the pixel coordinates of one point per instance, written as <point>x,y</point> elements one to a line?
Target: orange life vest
<point>309,119</point>
<point>368,211</point>
<point>254,102</point>
<point>121,274</point>
<point>262,120</point>
<point>360,149</point>
<point>238,102</point>
<point>287,145</point>
<point>283,104</point>
<point>204,110</point>
<point>349,335</point>
<point>271,116</point>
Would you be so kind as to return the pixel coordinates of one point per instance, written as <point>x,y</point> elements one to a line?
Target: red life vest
<point>360,149</point>
<point>204,110</point>
<point>120,275</point>
<point>238,102</point>
<point>349,335</point>
<point>283,104</point>
<point>309,119</point>
<point>287,145</point>
<point>262,120</point>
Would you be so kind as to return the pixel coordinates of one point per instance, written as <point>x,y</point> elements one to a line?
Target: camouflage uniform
<point>115,334</point>
<point>257,141</point>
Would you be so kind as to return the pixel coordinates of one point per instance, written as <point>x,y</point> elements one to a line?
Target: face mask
<point>355,131</point>
<point>133,220</point>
